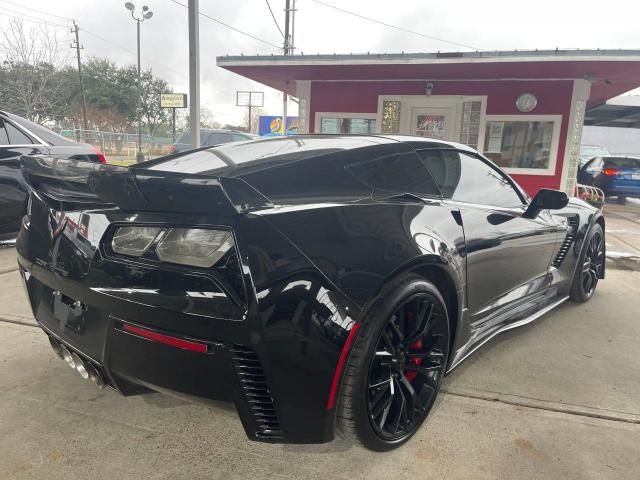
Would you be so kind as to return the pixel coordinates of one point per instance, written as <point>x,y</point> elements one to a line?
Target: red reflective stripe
<point>337,374</point>
<point>166,339</point>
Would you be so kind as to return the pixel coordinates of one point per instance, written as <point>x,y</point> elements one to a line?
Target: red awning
<point>612,72</point>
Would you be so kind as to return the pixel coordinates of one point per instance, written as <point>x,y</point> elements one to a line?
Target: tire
<point>621,200</point>
<point>404,303</point>
<point>578,292</point>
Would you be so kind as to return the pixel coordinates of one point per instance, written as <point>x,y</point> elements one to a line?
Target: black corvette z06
<point>321,284</point>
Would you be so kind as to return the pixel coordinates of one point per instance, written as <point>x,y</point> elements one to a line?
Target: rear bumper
<point>232,368</point>
<point>628,192</point>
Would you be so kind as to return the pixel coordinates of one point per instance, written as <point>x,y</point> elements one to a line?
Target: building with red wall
<point>524,110</point>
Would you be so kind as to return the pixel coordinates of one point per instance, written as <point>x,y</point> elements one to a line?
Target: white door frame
<point>408,102</point>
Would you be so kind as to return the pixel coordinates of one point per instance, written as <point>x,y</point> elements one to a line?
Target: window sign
<point>432,126</point>
<point>494,144</point>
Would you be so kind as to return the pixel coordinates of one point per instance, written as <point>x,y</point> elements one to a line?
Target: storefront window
<point>362,126</point>
<point>520,144</point>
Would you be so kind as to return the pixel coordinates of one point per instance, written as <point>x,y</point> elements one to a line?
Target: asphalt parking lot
<point>556,399</point>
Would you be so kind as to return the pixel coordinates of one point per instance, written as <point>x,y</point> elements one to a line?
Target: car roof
<point>218,130</point>
<point>39,132</point>
<point>301,147</point>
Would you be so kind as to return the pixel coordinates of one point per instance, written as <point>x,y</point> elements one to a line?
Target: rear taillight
<point>611,172</point>
<point>100,155</point>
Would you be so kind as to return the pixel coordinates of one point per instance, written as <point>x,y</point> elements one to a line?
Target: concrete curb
<point>521,401</point>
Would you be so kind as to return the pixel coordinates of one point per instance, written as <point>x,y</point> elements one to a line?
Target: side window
<point>4,138</point>
<point>240,138</point>
<point>218,138</point>
<point>16,137</point>
<point>402,173</point>
<point>466,178</point>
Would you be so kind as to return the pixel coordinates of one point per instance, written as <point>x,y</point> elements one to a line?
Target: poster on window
<point>430,126</point>
<point>496,130</point>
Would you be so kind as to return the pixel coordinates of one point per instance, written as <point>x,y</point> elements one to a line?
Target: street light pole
<point>146,15</point>
<point>139,155</point>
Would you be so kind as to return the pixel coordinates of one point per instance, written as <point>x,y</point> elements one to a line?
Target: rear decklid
<point>625,168</point>
<point>624,173</point>
<point>64,181</point>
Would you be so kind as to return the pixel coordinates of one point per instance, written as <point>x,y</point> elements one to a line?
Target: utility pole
<point>78,47</point>
<point>286,49</point>
<point>194,73</point>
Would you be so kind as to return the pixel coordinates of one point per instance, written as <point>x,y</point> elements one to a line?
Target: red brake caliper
<point>411,375</point>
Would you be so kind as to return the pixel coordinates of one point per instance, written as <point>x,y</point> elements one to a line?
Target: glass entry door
<point>432,122</point>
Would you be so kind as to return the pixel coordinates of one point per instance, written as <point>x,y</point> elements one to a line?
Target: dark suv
<point>19,136</point>
<point>209,138</point>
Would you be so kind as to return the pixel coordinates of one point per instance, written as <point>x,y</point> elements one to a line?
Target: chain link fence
<point>121,147</point>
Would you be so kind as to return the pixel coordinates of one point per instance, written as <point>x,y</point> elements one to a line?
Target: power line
<point>36,10</point>
<point>41,21</point>
<point>129,51</point>
<point>21,16</point>
<point>229,26</point>
<point>394,26</point>
<point>274,18</point>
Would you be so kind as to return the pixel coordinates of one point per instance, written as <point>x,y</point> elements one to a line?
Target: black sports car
<point>318,282</point>
<point>19,136</point>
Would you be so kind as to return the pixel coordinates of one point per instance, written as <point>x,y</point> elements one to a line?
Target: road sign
<point>249,99</point>
<point>173,100</point>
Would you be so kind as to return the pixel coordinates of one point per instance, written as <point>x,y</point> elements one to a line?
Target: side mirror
<point>546,199</point>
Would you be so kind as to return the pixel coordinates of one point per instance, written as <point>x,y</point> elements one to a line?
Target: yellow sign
<point>173,100</point>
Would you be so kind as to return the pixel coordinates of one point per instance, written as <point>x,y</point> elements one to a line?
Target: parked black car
<point>615,175</point>
<point>318,282</point>
<point>209,138</point>
<point>18,137</point>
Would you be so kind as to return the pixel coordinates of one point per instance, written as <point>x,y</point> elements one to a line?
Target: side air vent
<point>566,244</point>
<point>254,385</point>
<point>573,221</point>
<point>564,248</point>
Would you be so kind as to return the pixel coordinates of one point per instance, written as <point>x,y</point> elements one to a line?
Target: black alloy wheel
<point>397,363</point>
<point>406,368</point>
<point>593,263</point>
<point>590,266</point>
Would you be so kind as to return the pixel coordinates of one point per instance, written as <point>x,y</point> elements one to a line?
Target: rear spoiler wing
<point>138,189</point>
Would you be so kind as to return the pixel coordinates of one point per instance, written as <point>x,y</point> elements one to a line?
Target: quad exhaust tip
<point>86,369</point>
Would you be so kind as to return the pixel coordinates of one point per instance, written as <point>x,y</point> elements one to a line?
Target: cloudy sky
<point>108,31</point>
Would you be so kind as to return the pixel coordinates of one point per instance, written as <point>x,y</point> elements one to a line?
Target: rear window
<point>622,162</point>
<point>257,155</point>
<point>48,136</point>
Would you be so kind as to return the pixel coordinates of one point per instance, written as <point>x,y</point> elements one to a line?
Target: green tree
<point>153,117</point>
<point>31,82</point>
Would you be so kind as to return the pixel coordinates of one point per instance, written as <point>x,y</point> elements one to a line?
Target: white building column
<point>303,92</point>
<point>581,92</point>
